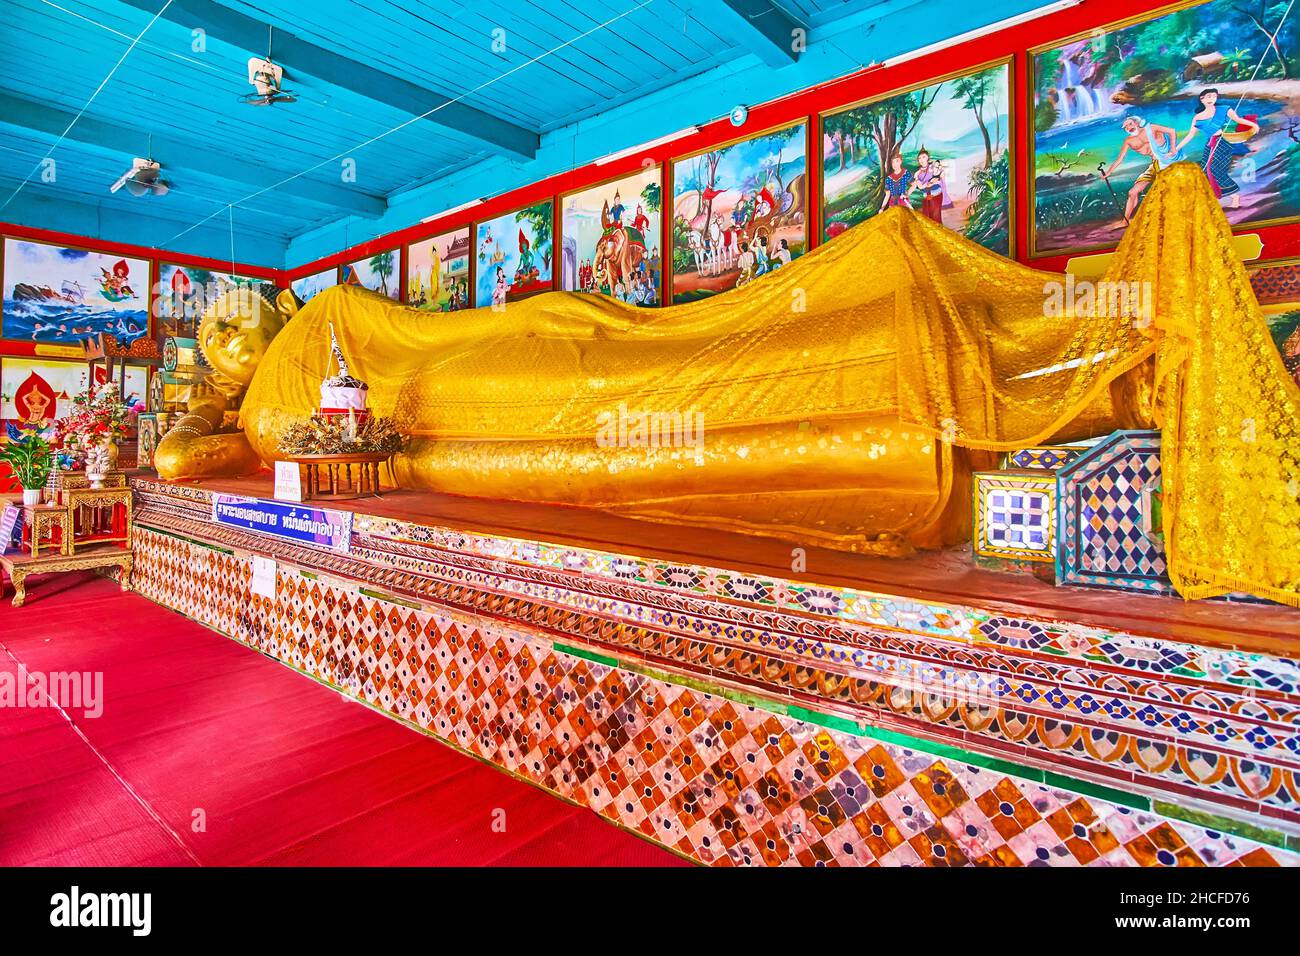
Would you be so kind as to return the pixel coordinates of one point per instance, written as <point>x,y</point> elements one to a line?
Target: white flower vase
<point>31,497</point>
<point>98,464</point>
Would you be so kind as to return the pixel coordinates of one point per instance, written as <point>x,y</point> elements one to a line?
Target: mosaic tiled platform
<point>740,719</point>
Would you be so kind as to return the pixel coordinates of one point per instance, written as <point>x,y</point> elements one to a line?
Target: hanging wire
<point>425,115</point>
<point>85,106</point>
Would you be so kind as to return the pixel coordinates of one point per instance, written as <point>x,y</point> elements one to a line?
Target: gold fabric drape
<point>846,396</point>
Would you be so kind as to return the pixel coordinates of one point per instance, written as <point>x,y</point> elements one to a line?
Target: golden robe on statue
<point>845,398</point>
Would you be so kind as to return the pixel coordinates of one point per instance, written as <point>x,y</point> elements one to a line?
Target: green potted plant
<point>29,457</point>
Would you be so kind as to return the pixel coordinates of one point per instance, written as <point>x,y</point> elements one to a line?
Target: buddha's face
<point>236,330</point>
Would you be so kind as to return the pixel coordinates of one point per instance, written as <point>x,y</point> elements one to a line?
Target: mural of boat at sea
<point>610,239</point>
<point>378,273</point>
<point>941,149</point>
<point>56,294</point>
<point>738,212</point>
<point>437,272</point>
<point>513,255</point>
<point>1217,84</point>
<point>307,286</point>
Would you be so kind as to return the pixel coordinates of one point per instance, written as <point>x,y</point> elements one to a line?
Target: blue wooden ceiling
<point>518,91</point>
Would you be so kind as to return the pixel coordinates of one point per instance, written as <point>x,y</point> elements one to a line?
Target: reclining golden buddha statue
<point>842,401</point>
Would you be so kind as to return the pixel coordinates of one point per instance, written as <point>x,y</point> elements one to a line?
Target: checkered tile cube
<point>1015,514</point>
<point>1109,531</point>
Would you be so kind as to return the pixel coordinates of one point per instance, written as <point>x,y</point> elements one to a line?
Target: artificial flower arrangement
<point>96,420</point>
<point>29,457</point>
<point>341,435</point>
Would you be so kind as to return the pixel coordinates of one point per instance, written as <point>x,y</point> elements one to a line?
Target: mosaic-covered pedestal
<point>743,719</point>
<point>1107,500</point>
<point>1015,519</point>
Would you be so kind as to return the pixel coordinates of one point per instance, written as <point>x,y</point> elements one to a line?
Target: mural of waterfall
<point>1077,100</point>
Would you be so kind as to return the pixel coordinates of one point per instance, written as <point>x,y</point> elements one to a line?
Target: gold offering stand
<point>330,477</point>
<point>85,539</point>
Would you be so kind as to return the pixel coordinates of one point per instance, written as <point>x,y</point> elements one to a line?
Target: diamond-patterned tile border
<point>721,781</point>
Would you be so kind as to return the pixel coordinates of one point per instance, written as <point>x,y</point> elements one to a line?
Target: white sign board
<point>288,481</point>
<point>263,583</point>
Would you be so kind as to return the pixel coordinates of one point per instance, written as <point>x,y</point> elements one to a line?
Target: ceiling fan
<point>267,78</point>
<point>143,178</point>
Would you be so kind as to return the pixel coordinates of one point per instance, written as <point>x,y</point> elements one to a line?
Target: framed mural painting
<point>35,391</point>
<point>738,212</point>
<point>61,294</point>
<point>438,272</point>
<point>942,148</point>
<point>379,273</point>
<point>1212,83</point>
<point>307,286</point>
<point>513,254</point>
<point>610,238</point>
<point>1277,286</point>
<point>184,292</point>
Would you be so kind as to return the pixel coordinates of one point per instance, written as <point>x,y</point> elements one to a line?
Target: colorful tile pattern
<point>1104,511</point>
<point>718,780</point>
<point>1216,727</point>
<point>1049,457</point>
<point>1015,514</point>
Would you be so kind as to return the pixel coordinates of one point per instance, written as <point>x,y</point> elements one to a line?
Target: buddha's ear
<point>287,304</point>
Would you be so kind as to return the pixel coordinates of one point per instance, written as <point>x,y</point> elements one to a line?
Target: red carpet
<point>208,753</point>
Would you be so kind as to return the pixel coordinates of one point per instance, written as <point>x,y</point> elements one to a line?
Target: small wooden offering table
<point>19,565</point>
<point>41,521</point>
<point>331,476</point>
<point>87,520</point>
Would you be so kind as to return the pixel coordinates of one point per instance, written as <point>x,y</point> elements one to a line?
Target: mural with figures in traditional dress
<point>379,273</point>
<point>1217,84</point>
<point>308,286</point>
<point>35,391</point>
<point>942,150</point>
<point>610,239</point>
<point>738,212</point>
<point>513,254</point>
<point>57,294</point>
<point>184,293</point>
<point>437,272</point>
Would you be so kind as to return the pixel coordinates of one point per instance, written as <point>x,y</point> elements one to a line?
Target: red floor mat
<point>280,770</point>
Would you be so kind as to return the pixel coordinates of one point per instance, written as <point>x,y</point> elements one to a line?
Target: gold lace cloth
<point>845,396</point>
